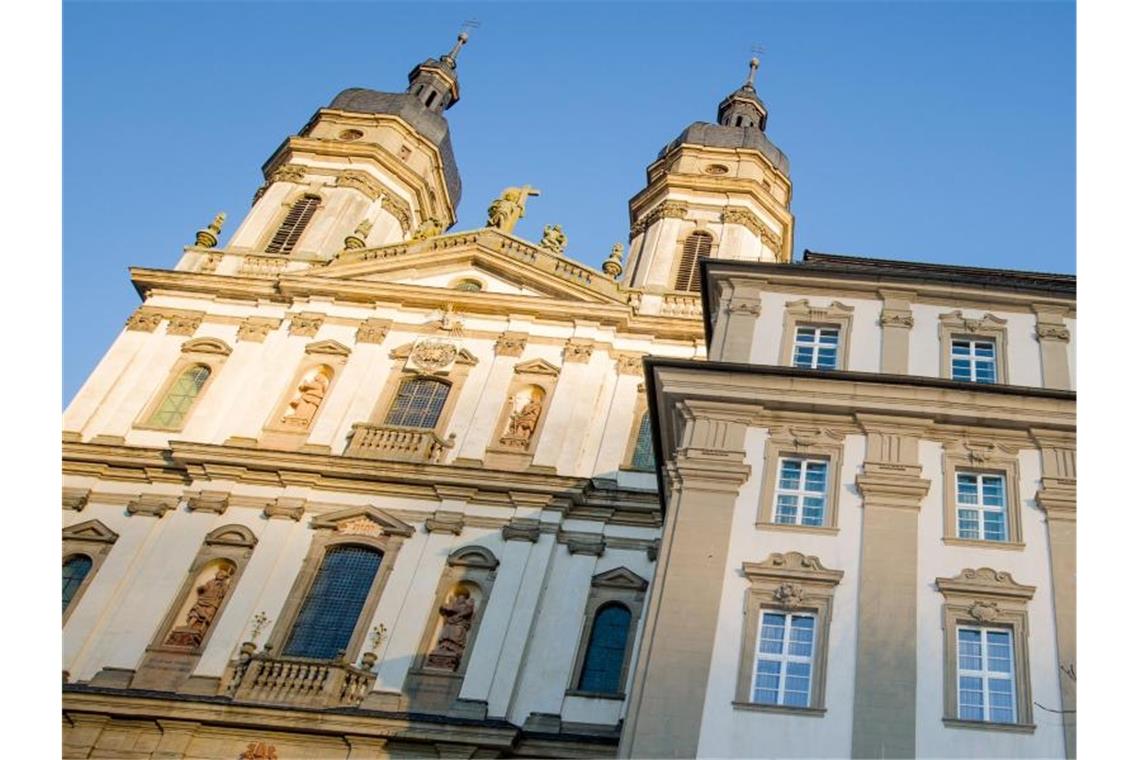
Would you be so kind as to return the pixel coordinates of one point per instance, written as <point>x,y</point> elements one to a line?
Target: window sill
<point>826,530</point>
<point>985,725</point>
<point>595,695</point>
<point>807,712</point>
<point>977,543</point>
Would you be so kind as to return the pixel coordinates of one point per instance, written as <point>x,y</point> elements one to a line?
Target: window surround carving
<point>788,582</point>
<point>467,566</point>
<point>952,325</point>
<point>208,352</point>
<point>361,526</point>
<point>326,353</point>
<point>623,586</point>
<point>92,539</point>
<point>691,227</point>
<point>809,442</point>
<point>993,599</point>
<point>640,407</point>
<point>454,374</point>
<point>985,457</point>
<point>283,211</point>
<point>232,543</point>
<point>801,312</point>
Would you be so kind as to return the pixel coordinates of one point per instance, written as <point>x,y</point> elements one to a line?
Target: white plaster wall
<point>1029,566</point>
<point>1023,353</point>
<point>923,357</point>
<point>491,284</point>
<point>728,732</point>
<point>1024,360</point>
<point>865,336</point>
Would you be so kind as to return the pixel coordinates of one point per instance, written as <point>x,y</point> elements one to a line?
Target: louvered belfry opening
<point>294,223</point>
<point>697,246</point>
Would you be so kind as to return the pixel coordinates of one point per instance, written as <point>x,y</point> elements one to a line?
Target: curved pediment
<point>231,535</point>
<point>206,346</point>
<point>473,556</point>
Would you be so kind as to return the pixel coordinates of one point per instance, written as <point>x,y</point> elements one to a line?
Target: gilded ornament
<point>506,210</point>
<point>553,239</point>
<point>208,237</point>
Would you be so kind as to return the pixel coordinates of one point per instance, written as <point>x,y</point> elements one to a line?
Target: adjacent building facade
<point>355,485</point>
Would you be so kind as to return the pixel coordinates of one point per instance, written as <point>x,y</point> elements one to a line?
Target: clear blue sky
<point>939,132</point>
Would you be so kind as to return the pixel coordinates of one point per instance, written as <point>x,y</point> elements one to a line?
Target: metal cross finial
<point>461,40</point>
<point>753,65</point>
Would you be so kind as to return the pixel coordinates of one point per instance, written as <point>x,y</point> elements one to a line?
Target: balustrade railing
<point>396,444</point>
<point>296,681</point>
<point>674,305</point>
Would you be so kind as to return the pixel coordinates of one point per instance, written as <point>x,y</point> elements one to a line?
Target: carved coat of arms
<point>433,355</point>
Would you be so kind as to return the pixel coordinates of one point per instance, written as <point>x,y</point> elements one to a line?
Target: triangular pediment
<point>621,577</point>
<point>90,530</point>
<point>536,367</point>
<point>328,347</point>
<point>503,265</point>
<point>363,521</point>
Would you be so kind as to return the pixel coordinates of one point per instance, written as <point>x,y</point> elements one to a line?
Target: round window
<point>351,134</point>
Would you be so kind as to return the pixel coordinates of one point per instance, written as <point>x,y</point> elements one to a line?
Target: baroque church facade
<point>357,485</point>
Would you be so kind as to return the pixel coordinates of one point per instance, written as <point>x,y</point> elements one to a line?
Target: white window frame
<point>980,508</point>
<point>784,658</point>
<point>985,674</point>
<point>815,344</point>
<point>800,492</point>
<point>973,359</point>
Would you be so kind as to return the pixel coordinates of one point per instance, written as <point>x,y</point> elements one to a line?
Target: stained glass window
<point>605,654</point>
<point>985,675</point>
<point>643,449</point>
<point>75,569</point>
<point>332,607</point>
<point>174,407</point>
<point>785,653</point>
<point>418,403</point>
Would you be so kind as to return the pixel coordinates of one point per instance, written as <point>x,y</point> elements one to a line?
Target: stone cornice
<point>984,581</point>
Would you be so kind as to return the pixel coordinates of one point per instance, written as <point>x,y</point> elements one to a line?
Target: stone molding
<point>363,521</point>
<point>444,522</point>
<point>989,327</point>
<point>328,348</point>
<point>591,544</point>
<point>306,324</point>
<point>184,324</point>
<point>511,344</point>
<point>208,501</point>
<point>144,319</point>
<point>521,529</point>
<point>577,351</point>
<point>206,346</point>
<point>808,441</point>
<point>478,557</point>
<point>399,209</point>
<point>801,312</point>
<point>284,507</point>
<point>981,455</point>
<point>743,217</point>
<point>628,362</point>
<point>75,498</point>
<point>537,367</point>
<point>256,329</point>
<point>994,585</point>
<point>361,181</point>
<point>792,567</point>
<point>152,505</point>
<point>373,330</point>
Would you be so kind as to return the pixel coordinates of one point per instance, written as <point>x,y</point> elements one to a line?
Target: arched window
<point>75,569</point>
<point>643,450</point>
<point>697,246</point>
<point>418,403</point>
<point>332,606</point>
<point>180,397</point>
<point>294,223</point>
<point>605,654</point>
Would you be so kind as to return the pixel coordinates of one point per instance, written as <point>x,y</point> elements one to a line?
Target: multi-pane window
<point>643,449</point>
<point>981,506</point>
<point>801,491</point>
<point>985,675</point>
<point>605,654</point>
<point>973,360</point>
<point>294,223</point>
<point>174,407</point>
<point>696,247</point>
<point>332,606</point>
<point>418,404</point>
<point>816,347</point>
<point>75,570</point>
<point>785,653</point>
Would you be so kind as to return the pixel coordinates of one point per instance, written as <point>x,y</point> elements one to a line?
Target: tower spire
<point>753,65</point>
<point>435,82</point>
<point>452,55</point>
<point>743,108</point>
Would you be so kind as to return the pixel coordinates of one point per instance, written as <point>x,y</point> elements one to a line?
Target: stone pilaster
<point>896,320</point>
<point>1053,337</point>
<point>1058,499</point>
<point>736,321</point>
<point>671,675</point>
<point>886,657</point>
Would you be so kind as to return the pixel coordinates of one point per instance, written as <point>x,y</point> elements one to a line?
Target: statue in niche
<point>458,614</point>
<point>553,239</point>
<point>523,421</point>
<point>506,210</point>
<point>310,393</point>
<point>201,615</point>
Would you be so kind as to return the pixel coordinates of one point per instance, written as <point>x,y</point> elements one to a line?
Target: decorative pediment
<point>231,535</point>
<point>620,577</point>
<point>536,367</point>
<point>984,582</point>
<point>433,355</point>
<point>792,566</point>
<point>206,346</point>
<point>328,348</point>
<point>363,521</point>
<point>473,556</point>
<point>980,452</point>
<point>90,530</point>
<point>805,436</point>
<point>955,320</point>
<point>804,310</point>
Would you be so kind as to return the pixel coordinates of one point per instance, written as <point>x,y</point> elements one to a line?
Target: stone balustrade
<point>262,266</point>
<point>296,681</point>
<point>395,444</point>
<point>677,305</point>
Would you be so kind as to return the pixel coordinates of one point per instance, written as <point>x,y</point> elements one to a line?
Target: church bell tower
<point>719,190</point>
<point>372,168</point>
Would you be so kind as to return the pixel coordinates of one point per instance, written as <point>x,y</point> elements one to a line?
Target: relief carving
<point>433,356</point>
<point>1052,332</point>
<point>289,173</point>
<point>399,209</point>
<point>578,351</point>
<point>182,324</point>
<point>629,364</point>
<point>144,320</point>
<point>506,210</point>
<point>984,612</point>
<point>458,614</point>
<point>743,217</point>
<point>360,526</point>
<point>790,596</point>
<point>306,324</point>
<point>510,344</point>
<point>259,751</point>
<point>256,329</point>
<point>373,330</point>
<point>205,609</point>
<point>361,181</point>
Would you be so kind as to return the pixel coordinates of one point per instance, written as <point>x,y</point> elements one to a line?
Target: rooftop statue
<point>506,210</point>
<point>553,239</point>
